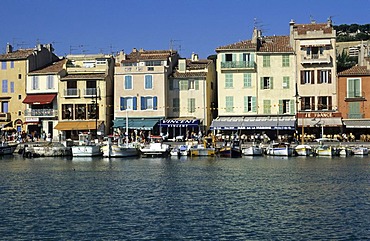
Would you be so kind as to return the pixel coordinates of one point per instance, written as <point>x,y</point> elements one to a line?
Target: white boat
<point>360,150</point>
<point>325,150</point>
<point>303,150</point>
<point>86,147</point>
<point>119,149</point>
<point>182,150</point>
<point>279,149</point>
<point>7,149</point>
<point>343,151</point>
<point>254,150</point>
<point>155,149</point>
<point>201,150</point>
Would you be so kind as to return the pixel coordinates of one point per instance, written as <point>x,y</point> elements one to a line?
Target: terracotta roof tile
<point>53,68</point>
<point>355,70</point>
<point>246,44</point>
<point>304,28</point>
<point>197,65</point>
<point>18,54</point>
<point>84,76</point>
<point>140,55</point>
<point>276,44</point>
<point>193,69</point>
<point>189,74</point>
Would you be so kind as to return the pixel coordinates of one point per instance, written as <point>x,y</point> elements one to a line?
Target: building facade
<point>15,65</point>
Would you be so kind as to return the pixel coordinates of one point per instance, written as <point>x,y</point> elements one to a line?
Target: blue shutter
<point>122,103</point>
<point>134,103</point>
<point>5,107</point>
<point>143,104</point>
<point>155,102</point>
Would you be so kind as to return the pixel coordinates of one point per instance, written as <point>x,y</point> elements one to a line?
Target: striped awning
<point>254,123</point>
<point>333,122</point>
<point>77,125</point>
<point>357,123</point>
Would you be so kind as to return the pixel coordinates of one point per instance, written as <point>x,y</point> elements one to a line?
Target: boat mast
<point>126,134</point>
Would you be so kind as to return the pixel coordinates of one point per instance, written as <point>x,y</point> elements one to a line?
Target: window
<point>80,111</point>
<point>12,87</point>
<point>324,103</point>
<point>228,80</point>
<point>194,84</point>
<point>249,104</point>
<point>128,103</point>
<point>173,84</point>
<point>324,76</point>
<point>3,65</point>
<point>284,107</point>
<point>308,103</point>
<point>247,80</point>
<point>153,63</point>
<point>354,110</point>
<point>286,81</point>
<point>191,105</point>
<point>184,84</point>
<point>128,82</point>
<point>285,61</point>
<point>148,82</point>
<point>35,83</point>
<point>229,103</point>
<point>101,61</point>
<point>266,106</point>
<point>12,64</point>
<point>4,107</point>
<point>246,57</point>
<point>176,105</point>
<point>314,52</point>
<point>307,77</point>
<point>354,88</point>
<point>266,83</point>
<point>228,57</point>
<point>4,86</point>
<point>266,61</point>
<point>92,111</point>
<point>50,82</point>
<point>148,103</point>
<point>67,111</point>
<point>19,76</point>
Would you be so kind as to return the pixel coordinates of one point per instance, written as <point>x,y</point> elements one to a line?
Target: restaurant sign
<point>180,123</point>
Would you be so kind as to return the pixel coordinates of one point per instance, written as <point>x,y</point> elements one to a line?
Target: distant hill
<point>352,32</point>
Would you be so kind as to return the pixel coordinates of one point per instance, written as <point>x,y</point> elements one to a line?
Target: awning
<point>335,121</point>
<point>136,123</point>
<point>180,123</point>
<point>253,123</point>
<point>77,125</point>
<point>357,123</point>
<point>40,99</point>
<point>315,42</point>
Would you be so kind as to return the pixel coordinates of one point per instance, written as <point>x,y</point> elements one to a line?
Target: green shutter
<point>261,83</point>
<point>254,104</point>
<point>196,84</point>
<point>222,57</point>
<point>292,106</point>
<point>245,103</point>
<point>271,83</point>
<point>280,107</point>
<point>357,88</point>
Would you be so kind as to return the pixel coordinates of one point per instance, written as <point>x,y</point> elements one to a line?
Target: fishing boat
<point>360,150</point>
<point>325,150</point>
<point>253,150</point>
<point>119,148</point>
<point>86,147</point>
<point>303,150</point>
<point>279,149</point>
<point>182,150</point>
<point>230,151</point>
<point>7,149</point>
<point>155,148</point>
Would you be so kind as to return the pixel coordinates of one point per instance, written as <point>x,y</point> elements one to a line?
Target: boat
<point>230,151</point>
<point>86,147</point>
<point>253,150</point>
<point>182,150</point>
<point>343,151</point>
<point>202,149</point>
<point>155,147</point>
<point>279,149</point>
<point>119,148</point>
<point>324,150</point>
<point>360,150</point>
<point>303,150</point>
<point>7,149</point>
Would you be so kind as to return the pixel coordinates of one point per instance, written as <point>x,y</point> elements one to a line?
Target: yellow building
<point>15,65</point>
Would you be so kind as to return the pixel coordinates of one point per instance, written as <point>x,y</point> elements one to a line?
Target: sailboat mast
<point>126,127</point>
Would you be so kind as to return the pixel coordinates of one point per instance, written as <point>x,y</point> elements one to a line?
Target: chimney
<point>291,33</point>
<point>330,22</point>
<point>194,57</point>
<point>9,48</point>
<point>134,50</point>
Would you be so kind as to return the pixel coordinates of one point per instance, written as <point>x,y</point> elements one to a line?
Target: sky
<point>188,26</point>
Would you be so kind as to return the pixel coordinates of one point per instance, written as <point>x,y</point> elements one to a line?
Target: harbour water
<point>248,198</point>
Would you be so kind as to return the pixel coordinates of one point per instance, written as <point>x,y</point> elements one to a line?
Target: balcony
<point>238,65</point>
<point>5,116</point>
<point>71,93</point>
<point>140,69</point>
<point>316,59</point>
<point>91,92</point>
<point>41,112</point>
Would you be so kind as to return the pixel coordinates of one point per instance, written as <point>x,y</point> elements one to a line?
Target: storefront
<point>186,128</point>
<point>320,124</point>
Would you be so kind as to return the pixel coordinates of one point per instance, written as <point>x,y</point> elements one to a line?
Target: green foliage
<point>344,61</point>
<point>353,32</point>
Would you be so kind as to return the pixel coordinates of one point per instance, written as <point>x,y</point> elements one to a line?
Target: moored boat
<point>303,150</point>
<point>154,149</point>
<point>230,151</point>
<point>85,147</point>
<point>254,150</point>
<point>279,149</point>
<point>7,149</point>
<point>360,150</point>
<point>324,150</point>
<point>119,149</point>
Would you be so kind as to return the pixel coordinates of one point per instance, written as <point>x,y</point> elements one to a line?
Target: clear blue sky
<point>199,26</point>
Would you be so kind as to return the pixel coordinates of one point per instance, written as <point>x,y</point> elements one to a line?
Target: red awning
<point>40,99</point>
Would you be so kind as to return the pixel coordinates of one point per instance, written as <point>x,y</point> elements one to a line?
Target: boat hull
<point>252,151</point>
<point>86,151</point>
<point>6,149</point>
<point>119,151</point>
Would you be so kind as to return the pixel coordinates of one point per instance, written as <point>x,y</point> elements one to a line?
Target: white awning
<point>315,42</point>
<point>357,123</point>
<point>335,121</point>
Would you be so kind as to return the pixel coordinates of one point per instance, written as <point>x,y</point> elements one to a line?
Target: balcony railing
<point>90,92</point>
<point>5,116</point>
<point>315,58</point>
<point>238,65</point>
<point>41,112</point>
<point>355,115</point>
<point>72,92</point>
